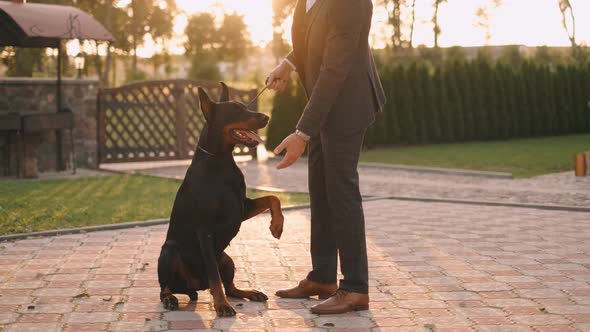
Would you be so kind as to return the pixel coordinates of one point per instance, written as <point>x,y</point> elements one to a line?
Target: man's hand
<point>295,146</point>
<point>277,79</point>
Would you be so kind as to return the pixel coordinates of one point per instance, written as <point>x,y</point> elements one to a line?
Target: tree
<point>454,112</point>
<point>445,110</point>
<point>512,56</point>
<point>465,88</point>
<point>202,36</point>
<point>204,69</point>
<point>524,114</point>
<point>543,93</point>
<point>418,73</point>
<point>436,105</point>
<point>405,104</point>
<point>281,10</point>
<point>116,21</point>
<point>130,25</point>
<point>568,20</point>
<point>162,59</point>
<point>412,25</point>
<point>436,27</point>
<point>391,86</point>
<point>22,62</point>
<point>234,40</point>
<point>490,100</point>
<point>501,82</point>
<point>478,107</point>
<point>396,19</point>
<point>201,47</point>
<point>149,17</point>
<point>483,17</point>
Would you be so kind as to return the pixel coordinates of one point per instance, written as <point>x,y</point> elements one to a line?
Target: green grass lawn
<point>522,158</point>
<point>38,205</point>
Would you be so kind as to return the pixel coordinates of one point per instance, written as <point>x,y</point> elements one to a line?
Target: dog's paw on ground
<point>170,302</point>
<point>257,296</point>
<point>250,294</point>
<point>225,310</point>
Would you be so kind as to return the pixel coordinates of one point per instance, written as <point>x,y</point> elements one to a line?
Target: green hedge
<point>478,100</point>
<point>461,101</point>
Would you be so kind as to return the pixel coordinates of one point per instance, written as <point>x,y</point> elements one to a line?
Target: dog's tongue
<point>252,135</point>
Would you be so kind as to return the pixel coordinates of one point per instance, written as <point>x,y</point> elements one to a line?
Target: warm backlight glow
<point>257,14</point>
<point>526,22</point>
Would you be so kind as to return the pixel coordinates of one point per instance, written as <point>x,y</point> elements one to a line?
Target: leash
<point>261,92</point>
<point>207,152</point>
<point>255,98</point>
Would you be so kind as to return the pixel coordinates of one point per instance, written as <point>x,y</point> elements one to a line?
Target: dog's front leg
<point>222,306</point>
<point>255,207</point>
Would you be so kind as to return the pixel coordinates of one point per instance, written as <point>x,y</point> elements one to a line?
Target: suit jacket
<point>333,58</point>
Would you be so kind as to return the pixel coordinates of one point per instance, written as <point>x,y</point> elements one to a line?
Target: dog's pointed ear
<point>206,104</point>
<point>224,93</point>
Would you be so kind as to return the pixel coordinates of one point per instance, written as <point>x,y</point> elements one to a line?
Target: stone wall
<point>32,95</point>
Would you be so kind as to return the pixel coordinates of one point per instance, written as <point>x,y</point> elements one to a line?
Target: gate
<point>156,120</point>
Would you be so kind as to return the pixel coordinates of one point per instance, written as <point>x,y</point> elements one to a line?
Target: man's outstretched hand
<point>295,146</point>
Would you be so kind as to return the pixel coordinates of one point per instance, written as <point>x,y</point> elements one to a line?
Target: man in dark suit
<point>332,56</point>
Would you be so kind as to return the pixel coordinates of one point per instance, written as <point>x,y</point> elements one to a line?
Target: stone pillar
<point>34,95</point>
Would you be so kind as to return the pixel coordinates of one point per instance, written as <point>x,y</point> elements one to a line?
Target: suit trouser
<point>337,219</point>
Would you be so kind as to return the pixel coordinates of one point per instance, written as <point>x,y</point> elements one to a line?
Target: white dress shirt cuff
<point>290,64</point>
<point>302,135</point>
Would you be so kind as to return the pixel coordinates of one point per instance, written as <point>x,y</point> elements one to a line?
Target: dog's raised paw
<point>276,229</point>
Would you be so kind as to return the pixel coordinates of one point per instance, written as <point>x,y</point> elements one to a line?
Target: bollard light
<point>580,164</point>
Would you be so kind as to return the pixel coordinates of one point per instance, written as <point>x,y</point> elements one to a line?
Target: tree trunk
<point>564,6</point>
<point>97,61</point>
<point>107,68</point>
<point>105,79</point>
<point>413,24</point>
<point>397,24</point>
<point>134,38</point>
<point>435,22</point>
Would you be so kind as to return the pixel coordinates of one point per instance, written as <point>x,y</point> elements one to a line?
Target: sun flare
<point>257,14</point>
<point>525,22</point>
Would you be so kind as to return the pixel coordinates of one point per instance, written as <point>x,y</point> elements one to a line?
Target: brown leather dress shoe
<point>307,288</point>
<point>342,302</point>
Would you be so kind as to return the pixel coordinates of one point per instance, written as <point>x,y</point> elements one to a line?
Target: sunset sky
<point>528,22</point>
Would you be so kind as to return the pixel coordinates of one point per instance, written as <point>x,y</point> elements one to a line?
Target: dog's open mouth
<point>246,137</point>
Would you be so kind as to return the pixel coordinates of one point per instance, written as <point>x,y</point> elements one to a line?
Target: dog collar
<point>207,152</point>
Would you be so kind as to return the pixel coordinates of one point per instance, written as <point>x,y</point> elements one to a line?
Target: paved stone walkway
<point>553,189</point>
<point>434,267</point>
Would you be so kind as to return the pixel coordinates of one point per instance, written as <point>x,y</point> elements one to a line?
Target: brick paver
<point>434,267</point>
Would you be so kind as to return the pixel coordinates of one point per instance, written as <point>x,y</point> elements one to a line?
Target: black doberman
<point>209,208</point>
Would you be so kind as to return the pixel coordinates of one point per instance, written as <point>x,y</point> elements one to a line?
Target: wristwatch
<point>302,135</point>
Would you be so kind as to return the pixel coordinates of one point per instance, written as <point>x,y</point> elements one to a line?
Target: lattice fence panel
<point>155,120</point>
